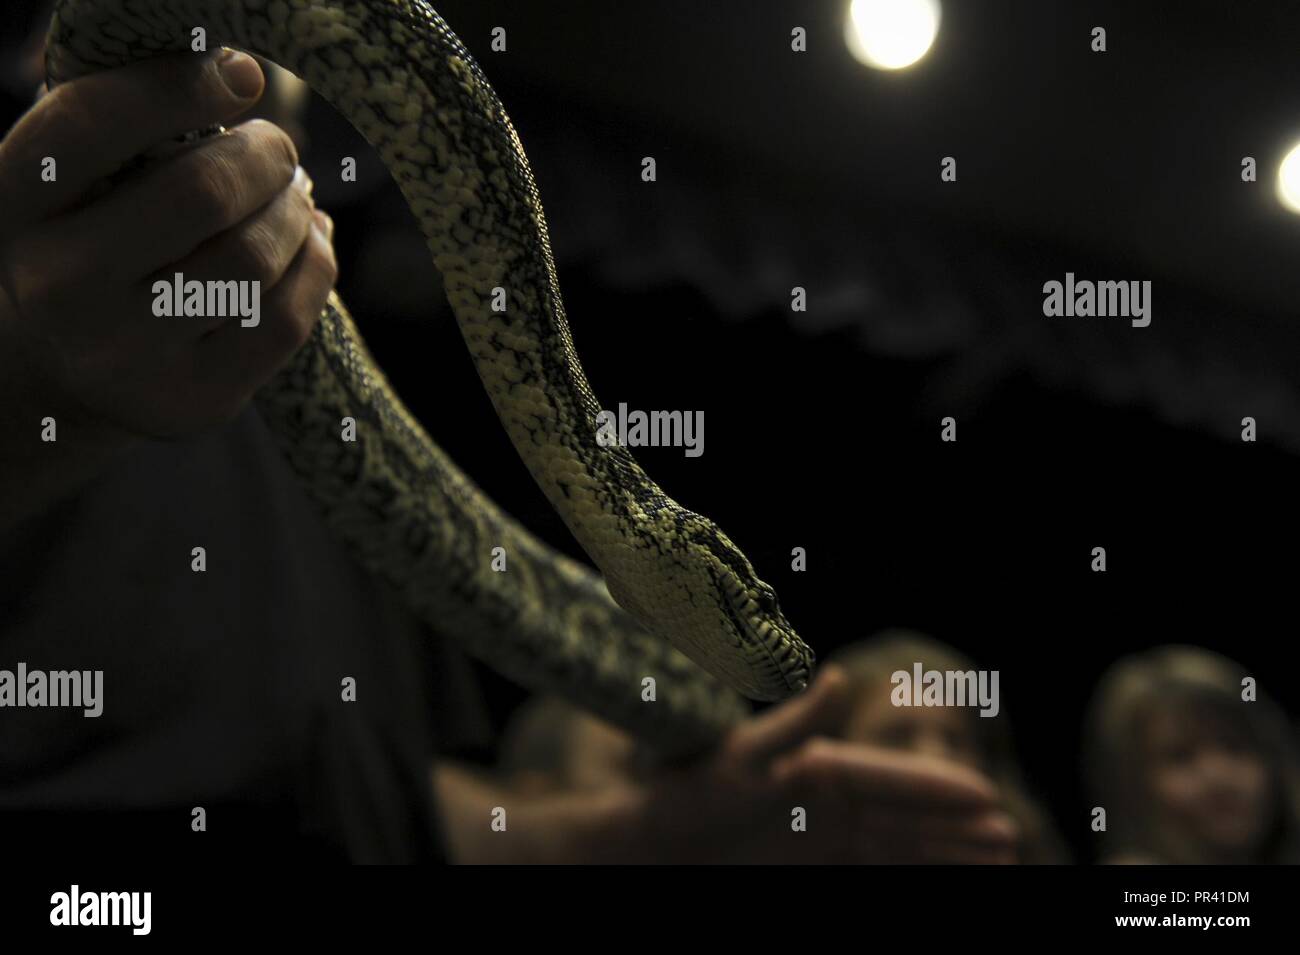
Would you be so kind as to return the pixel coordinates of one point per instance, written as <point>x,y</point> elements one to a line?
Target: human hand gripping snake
<point>681,590</point>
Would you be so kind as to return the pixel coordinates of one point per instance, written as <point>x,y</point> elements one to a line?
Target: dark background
<point>778,169</point>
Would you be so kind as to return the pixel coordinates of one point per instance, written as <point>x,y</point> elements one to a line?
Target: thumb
<point>95,124</point>
<point>821,709</point>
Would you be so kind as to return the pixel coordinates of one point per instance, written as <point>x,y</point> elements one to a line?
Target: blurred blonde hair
<point>1167,677</point>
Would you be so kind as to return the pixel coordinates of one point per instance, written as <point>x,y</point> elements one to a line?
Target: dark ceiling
<point>1133,154</point>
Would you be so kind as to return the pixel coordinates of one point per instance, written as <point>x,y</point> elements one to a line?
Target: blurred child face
<point>1207,782</point>
<point>944,732</point>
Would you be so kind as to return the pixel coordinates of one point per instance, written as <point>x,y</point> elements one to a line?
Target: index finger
<point>819,709</point>
<point>919,782</point>
<point>93,125</point>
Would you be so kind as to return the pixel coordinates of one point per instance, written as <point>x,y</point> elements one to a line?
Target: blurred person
<point>955,734</point>
<point>1187,771</point>
<point>584,791</point>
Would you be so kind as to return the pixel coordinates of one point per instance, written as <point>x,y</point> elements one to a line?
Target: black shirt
<point>222,689</point>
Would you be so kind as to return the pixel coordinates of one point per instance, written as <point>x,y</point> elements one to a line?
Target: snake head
<point>712,607</point>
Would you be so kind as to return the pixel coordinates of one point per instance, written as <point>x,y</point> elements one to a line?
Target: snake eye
<point>766,596</point>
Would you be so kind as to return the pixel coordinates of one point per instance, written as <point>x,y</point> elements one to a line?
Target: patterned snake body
<point>406,512</point>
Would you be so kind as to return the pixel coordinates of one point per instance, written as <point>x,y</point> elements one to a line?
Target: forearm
<point>603,826</point>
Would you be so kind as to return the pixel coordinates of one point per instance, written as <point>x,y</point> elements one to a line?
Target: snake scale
<point>687,608</point>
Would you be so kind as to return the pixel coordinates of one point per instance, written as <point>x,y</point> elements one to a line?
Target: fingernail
<point>325,224</point>
<point>303,182</point>
<point>240,73</point>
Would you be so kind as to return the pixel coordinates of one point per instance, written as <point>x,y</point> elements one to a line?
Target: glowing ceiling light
<point>891,34</point>
<point>1288,179</point>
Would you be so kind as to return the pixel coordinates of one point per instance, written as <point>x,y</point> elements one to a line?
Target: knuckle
<point>275,144</point>
<point>214,185</point>
<point>324,266</point>
<point>258,255</point>
<point>197,81</point>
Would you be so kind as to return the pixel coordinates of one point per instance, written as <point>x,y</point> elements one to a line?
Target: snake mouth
<point>760,625</point>
<point>757,612</point>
